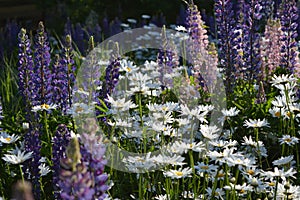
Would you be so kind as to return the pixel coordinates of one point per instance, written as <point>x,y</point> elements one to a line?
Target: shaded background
<point>55,13</point>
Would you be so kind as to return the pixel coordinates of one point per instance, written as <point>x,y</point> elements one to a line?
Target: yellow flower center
<point>8,139</point>
<point>242,191</point>
<point>271,184</point>
<point>164,108</point>
<point>205,167</point>
<point>45,106</point>
<point>288,140</point>
<point>250,172</point>
<point>288,114</point>
<point>128,69</point>
<point>277,114</point>
<point>178,173</point>
<point>220,175</point>
<point>79,109</point>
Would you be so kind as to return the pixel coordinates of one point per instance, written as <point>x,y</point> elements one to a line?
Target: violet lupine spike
<point>26,69</point>
<point>43,75</point>
<point>67,62</point>
<point>60,83</point>
<point>250,41</point>
<point>204,71</point>
<point>198,42</point>
<point>111,78</point>
<point>271,47</point>
<point>288,18</point>
<point>31,166</point>
<point>75,178</point>
<point>93,155</point>
<point>78,36</point>
<point>227,35</point>
<point>167,59</point>
<point>60,142</point>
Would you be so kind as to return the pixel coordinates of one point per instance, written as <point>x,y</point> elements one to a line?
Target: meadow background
<point>245,146</point>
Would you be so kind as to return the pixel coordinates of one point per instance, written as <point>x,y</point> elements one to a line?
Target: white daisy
<point>44,106</point>
<point>283,160</point>
<point>8,139</point>
<point>256,123</point>
<point>289,140</point>
<point>17,158</point>
<point>177,174</point>
<point>44,170</point>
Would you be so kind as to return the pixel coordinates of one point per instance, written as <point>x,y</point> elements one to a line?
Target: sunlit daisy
<point>283,160</point>
<point>17,158</point>
<point>8,139</point>
<point>282,79</point>
<point>45,107</point>
<point>289,140</point>
<point>177,174</point>
<point>256,123</point>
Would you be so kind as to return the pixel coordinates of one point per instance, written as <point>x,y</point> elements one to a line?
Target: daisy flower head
<point>80,108</point>
<point>17,158</point>
<point>8,139</point>
<point>256,123</point>
<point>289,140</point>
<point>283,160</point>
<point>44,106</point>
<point>180,28</point>
<point>231,112</point>
<point>178,174</point>
<point>282,79</point>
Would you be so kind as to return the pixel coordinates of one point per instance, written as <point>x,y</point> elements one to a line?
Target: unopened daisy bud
<point>232,180</point>
<point>270,195</point>
<point>287,186</point>
<point>254,182</point>
<point>25,125</point>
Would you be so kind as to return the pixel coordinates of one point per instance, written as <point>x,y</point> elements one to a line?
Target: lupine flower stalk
<point>43,76</point>
<point>26,69</point>
<point>111,77</point>
<point>60,142</point>
<point>251,59</point>
<point>198,48</point>
<point>167,59</point>
<point>75,179</point>
<point>288,18</point>
<point>93,155</point>
<point>226,24</point>
<point>271,47</point>
<point>31,167</point>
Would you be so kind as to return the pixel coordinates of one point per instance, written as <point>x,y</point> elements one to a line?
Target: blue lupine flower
<point>60,142</point>
<point>43,75</point>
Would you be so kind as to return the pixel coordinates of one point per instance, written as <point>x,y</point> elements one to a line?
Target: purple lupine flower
<point>271,47</point>
<point>115,27</point>
<point>60,142</point>
<point>43,76</point>
<point>75,178</point>
<point>26,70</point>
<point>31,166</point>
<point>78,36</point>
<point>105,26</point>
<point>251,64</point>
<point>64,72</point>
<point>159,20</point>
<point>288,18</point>
<point>111,76</point>
<point>93,155</point>
<point>227,35</point>
<point>167,59</point>
<point>204,71</point>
